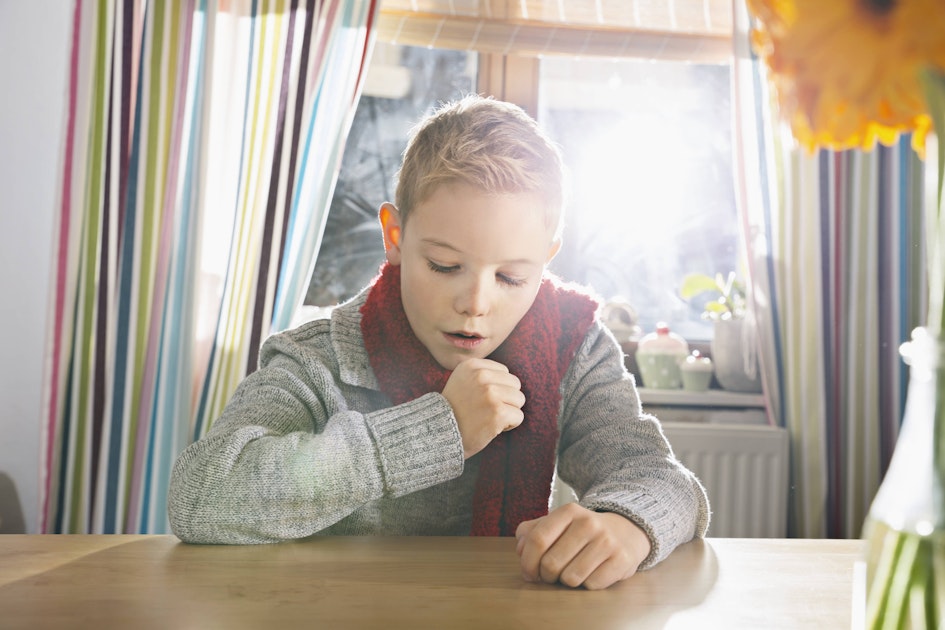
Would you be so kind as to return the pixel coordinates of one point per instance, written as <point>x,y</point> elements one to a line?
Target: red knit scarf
<point>517,467</point>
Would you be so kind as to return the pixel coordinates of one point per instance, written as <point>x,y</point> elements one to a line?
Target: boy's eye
<point>441,268</point>
<point>501,277</point>
<point>509,280</point>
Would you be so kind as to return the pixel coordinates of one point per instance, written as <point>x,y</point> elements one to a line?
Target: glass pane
<point>402,85</point>
<point>648,145</point>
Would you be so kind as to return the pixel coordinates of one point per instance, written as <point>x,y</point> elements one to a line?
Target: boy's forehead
<point>441,197</point>
<point>459,204</point>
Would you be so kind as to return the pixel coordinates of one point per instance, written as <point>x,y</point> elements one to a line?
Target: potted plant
<point>733,347</point>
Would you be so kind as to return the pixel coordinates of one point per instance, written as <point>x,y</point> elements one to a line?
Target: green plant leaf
<point>696,283</point>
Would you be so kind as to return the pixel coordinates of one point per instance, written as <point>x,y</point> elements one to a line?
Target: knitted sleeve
<point>617,459</point>
<point>295,451</point>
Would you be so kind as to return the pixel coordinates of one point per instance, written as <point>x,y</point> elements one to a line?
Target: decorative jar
<point>658,357</point>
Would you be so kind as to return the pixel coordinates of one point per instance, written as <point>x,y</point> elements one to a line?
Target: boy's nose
<point>474,300</point>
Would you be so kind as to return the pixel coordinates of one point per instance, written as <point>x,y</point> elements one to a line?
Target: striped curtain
<point>836,255</point>
<point>201,148</point>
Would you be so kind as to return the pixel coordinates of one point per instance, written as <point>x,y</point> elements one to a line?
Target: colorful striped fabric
<point>836,258</point>
<point>199,158</point>
<point>848,280</point>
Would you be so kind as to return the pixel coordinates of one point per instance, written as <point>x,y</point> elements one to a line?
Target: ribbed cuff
<point>419,444</point>
<point>647,513</point>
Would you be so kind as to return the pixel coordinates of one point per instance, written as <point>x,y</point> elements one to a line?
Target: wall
<point>34,48</point>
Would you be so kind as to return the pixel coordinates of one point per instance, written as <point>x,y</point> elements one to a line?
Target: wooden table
<point>58,581</point>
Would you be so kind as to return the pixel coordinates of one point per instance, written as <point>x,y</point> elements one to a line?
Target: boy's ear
<point>553,250</point>
<point>391,230</point>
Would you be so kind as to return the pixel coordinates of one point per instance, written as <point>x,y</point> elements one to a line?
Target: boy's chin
<point>450,361</point>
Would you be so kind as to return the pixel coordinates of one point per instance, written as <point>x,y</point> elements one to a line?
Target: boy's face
<point>470,267</point>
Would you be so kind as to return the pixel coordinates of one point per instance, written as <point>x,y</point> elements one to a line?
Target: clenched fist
<point>486,399</point>
<point>577,547</point>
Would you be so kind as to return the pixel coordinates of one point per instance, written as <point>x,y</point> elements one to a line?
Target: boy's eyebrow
<point>437,243</point>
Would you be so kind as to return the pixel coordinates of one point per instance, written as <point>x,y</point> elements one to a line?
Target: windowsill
<point>708,398</point>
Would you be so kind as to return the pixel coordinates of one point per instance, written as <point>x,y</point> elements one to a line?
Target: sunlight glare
<point>629,181</point>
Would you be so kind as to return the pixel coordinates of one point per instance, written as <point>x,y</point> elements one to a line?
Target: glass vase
<point>905,528</point>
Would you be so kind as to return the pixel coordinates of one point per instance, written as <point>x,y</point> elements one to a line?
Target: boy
<point>439,400</point>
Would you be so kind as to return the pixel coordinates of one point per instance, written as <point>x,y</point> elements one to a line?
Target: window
<point>403,83</point>
<point>648,145</point>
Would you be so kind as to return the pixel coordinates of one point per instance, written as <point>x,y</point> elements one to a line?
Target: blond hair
<point>489,144</point>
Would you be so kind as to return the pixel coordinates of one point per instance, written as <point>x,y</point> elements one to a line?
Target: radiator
<point>744,469</point>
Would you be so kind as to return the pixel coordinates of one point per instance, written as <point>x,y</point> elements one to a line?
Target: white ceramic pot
<point>735,357</point>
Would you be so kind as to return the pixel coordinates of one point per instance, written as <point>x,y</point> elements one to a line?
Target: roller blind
<point>684,30</point>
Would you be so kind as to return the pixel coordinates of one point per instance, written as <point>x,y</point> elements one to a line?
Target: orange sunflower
<point>847,72</point>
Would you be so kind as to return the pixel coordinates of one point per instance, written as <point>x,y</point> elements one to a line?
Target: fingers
<point>597,565</point>
<point>486,400</point>
<point>495,381</point>
<point>576,547</point>
<point>535,541</point>
<point>521,534</point>
<point>483,363</point>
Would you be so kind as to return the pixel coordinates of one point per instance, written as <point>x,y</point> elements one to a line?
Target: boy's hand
<point>486,401</point>
<point>577,547</point>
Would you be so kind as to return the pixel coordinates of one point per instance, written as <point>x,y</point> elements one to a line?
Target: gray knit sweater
<point>308,445</point>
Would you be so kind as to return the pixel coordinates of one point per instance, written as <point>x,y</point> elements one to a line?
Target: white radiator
<point>744,469</point>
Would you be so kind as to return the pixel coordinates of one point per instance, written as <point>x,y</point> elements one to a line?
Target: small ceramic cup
<point>696,372</point>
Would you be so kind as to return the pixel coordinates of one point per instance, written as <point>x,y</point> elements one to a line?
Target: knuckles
<point>551,568</point>
<point>570,578</point>
<point>541,539</point>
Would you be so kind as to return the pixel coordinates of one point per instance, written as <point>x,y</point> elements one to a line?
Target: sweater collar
<point>348,344</point>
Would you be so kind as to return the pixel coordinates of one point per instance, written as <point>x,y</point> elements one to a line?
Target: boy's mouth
<point>464,340</point>
<point>465,335</point>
